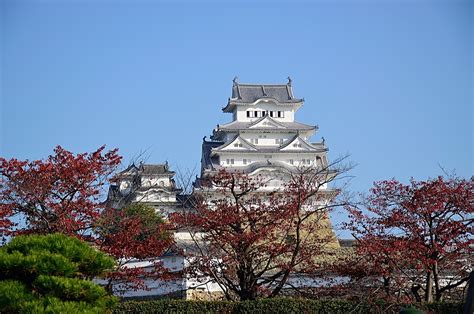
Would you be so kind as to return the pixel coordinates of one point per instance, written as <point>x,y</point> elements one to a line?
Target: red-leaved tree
<point>250,238</point>
<point>136,232</point>
<point>59,194</point>
<point>65,193</point>
<point>418,237</point>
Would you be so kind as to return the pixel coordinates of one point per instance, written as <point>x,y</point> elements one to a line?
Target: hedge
<point>278,305</point>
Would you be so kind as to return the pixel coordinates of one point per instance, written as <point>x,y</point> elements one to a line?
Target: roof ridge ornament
<point>235,82</point>
<point>289,88</point>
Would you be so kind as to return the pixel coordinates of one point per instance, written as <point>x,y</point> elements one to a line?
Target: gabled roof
<point>266,122</point>
<point>238,125</point>
<point>304,146</point>
<point>236,140</point>
<point>251,93</point>
<point>146,169</point>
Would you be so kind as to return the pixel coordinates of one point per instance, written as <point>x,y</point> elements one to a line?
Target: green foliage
<point>13,293</point>
<point>147,217</point>
<point>55,305</point>
<point>72,289</point>
<point>49,274</point>
<point>76,255</point>
<point>411,310</point>
<point>147,214</point>
<point>277,305</point>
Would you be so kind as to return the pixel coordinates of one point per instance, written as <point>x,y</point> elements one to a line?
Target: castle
<point>263,138</point>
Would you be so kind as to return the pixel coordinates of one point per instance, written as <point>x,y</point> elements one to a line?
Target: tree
<point>65,194</point>
<point>51,274</point>
<point>420,233</point>
<point>134,232</point>
<point>58,194</point>
<point>249,239</point>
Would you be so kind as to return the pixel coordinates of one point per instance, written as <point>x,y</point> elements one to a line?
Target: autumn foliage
<point>134,232</point>
<point>58,194</point>
<point>65,194</point>
<point>249,239</point>
<point>418,237</point>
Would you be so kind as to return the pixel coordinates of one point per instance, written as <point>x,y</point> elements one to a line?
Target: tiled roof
<point>236,125</point>
<point>206,161</point>
<point>154,169</point>
<point>257,165</point>
<point>274,150</point>
<point>249,93</point>
<point>147,169</point>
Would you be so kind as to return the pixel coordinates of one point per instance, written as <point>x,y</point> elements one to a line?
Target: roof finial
<point>289,80</point>
<point>236,80</point>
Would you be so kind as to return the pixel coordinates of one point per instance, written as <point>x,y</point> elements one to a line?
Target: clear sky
<point>389,82</point>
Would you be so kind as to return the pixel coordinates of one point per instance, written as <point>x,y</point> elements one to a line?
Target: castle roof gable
<point>237,143</point>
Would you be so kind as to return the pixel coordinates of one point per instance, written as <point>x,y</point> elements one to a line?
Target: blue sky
<point>389,82</point>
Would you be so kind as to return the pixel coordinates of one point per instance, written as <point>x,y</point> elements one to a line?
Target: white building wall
<point>229,159</point>
<point>148,181</point>
<point>155,196</point>
<point>241,111</point>
<point>267,139</point>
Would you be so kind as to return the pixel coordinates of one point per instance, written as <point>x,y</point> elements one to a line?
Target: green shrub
<point>277,305</point>
<point>411,310</point>
<point>71,289</point>
<point>12,293</point>
<point>49,274</point>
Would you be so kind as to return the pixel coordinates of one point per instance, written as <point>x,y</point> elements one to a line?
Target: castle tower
<point>263,133</point>
<point>150,184</point>
<point>265,139</point>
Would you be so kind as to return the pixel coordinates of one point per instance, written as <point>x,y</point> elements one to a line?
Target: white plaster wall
<point>271,135</point>
<point>155,196</point>
<point>155,181</point>
<point>156,288</point>
<point>289,115</point>
<point>267,139</point>
<point>256,157</point>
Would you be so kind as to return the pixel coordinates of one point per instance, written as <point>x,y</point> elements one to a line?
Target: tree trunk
<point>429,287</point>
<point>415,290</point>
<point>438,292</point>
<point>386,285</point>
<point>469,304</point>
<point>247,282</point>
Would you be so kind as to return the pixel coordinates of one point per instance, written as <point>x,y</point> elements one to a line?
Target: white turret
<point>263,132</point>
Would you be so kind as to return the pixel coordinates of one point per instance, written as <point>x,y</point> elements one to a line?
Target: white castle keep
<point>263,138</point>
<point>263,133</point>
